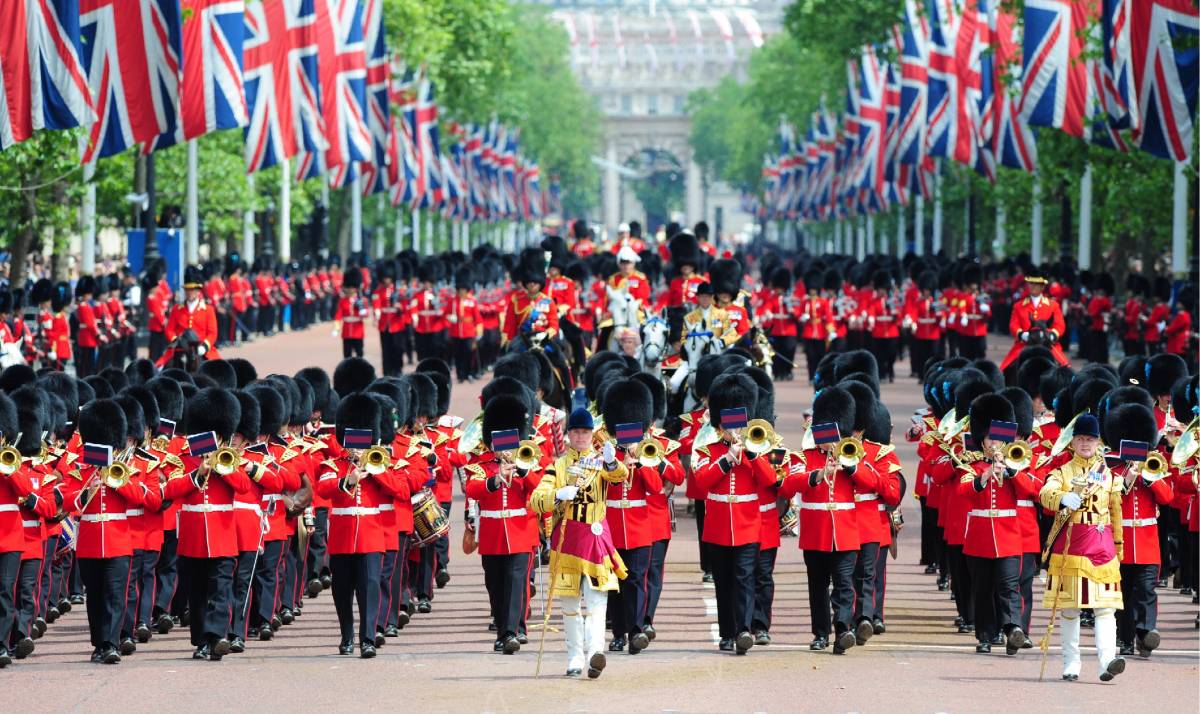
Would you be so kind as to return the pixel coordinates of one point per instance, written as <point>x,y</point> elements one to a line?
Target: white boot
<point>573,628</point>
<point>1070,642</point>
<point>597,608</point>
<point>1106,644</point>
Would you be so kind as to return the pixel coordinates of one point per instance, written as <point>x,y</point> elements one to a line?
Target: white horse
<point>696,344</point>
<point>624,309</point>
<point>655,334</point>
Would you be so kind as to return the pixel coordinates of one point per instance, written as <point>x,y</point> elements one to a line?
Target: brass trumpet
<point>224,461</point>
<point>760,437</point>
<point>849,451</point>
<point>525,456</point>
<point>649,453</point>
<point>10,461</point>
<point>1017,455</point>
<point>1154,468</point>
<point>375,460</point>
<point>115,475</point>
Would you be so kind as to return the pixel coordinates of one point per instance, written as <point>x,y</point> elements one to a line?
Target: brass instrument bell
<point>10,460</point>
<point>115,475</point>
<point>1155,467</point>
<point>527,455</point>
<point>649,453</point>
<point>1017,455</point>
<point>760,437</point>
<point>849,451</point>
<point>376,460</point>
<point>225,461</point>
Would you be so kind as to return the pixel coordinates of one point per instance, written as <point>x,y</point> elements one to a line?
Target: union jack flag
<point>1055,76</point>
<point>914,85</point>
<point>1165,64</point>
<point>401,168</point>
<point>422,118</point>
<point>378,91</point>
<point>282,90</point>
<point>872,122</point>
<point>132,60</point>
<point>1117,80</point>
<point>1012,140</point>
<point>42,82</point>
<point>212,93</point>
<point>343,71</point>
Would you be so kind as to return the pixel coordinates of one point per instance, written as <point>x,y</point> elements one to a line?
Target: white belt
<point>101,517</point>
<point>727,498</point>
<point>506,513</point>
<point>628,504</point>
<point>351,319</point>
<point>861,497</point>
<point>248,507</point>
<point>9,507</point>
<point>764,507</point>
<point>993,512</point>
<point>388,309</point>
<point>135,512</point>
<point>831,506</point>
<point>354,511</point>
<point>1139,522</point>
<point>1025,503</point>
<point>384,507</point>
<point>884,318</point>
<point>926,320</point>
<point>31,524</point>
<point>206,507</point>
<point>272,497</point>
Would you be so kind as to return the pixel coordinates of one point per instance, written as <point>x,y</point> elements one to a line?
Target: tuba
<point>760,437</point>
<point>649,453</point>
<point>1017,455</point>
<point>10,460</point>
<point>849,451</point>
<point>375,460</point>
<point>1186,446</point>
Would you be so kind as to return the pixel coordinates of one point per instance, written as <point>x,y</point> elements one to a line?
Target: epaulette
<point>330,463</point>
<point>884,450</point>
<point>174,460</point>
<point>686,418</point>
<point>288,454</point>
<point>702,450</point>
<point>475,471</point>
<point>928,438</point>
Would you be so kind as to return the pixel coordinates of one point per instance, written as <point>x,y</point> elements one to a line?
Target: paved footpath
<point>443,662</point>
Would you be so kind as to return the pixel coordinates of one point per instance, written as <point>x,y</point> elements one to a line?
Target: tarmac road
<point>443,662</point>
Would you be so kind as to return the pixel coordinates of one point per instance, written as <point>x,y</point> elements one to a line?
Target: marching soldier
<point>429,323</point>
<point>194,314</point>
<point>781,315</point>
<point>352,311</point>
<point>817,328</point>
<point>883,321</point>
<point>466,325</point>
<point>708,320</point>
<point>530,314</point>
<point>1036,320</point>
<point>384,307</point>
<point>727,276</point>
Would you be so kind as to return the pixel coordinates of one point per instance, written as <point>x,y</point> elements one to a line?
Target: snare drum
<point>429,520</point>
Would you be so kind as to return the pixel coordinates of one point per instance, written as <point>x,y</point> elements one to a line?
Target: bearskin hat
<point>511,387</point>
<point>547,375</point>
<point>65,386</point>
<point>221,372</point>
<point>135,419</point>
<point>433,364</point>
<point>1184,403</point>
<point>442,382</point>
<point>832,280</point>
<point>881,280</point>
<point>289,391</point>
<point>834,405</point>
<point>168,396</point>
<point>61,297</point>
<point>1029,376</point>
<point>1162,288</point>
<point>1052,384</point>
<point>353,374</point>
<point>504,412</point>
<point>781,279</point>
<point>1118,396</point>
<point>627,401</point>
<point>249,424</point>
<point>968,389</point>
<point>86,393</point>
<point>684,250</point>
<point>58,416</point>
<point>927,281</point>
<point>1022,406</point>
<point>856,361</point>
<point>985,409</point>
<point>991,371</point>
<point>86,285</point>
<point>387,416</point>
<point>559,253</point>
<point>864,399</point>
<point>8,418</point>
<point>140,371</point>
<point>398,393</point>
<point>318,379</point>
<point>812,279</point>
<point>304,407</point>
<point>594,364</point>
<point>1095,370</point>
<point>352,278</point>
<point>41,292</point>
<point>765,397</point>
<point>203,381</point>
<point>1132,422</point>
<point>32,419</point>
<point>115,377</point>
<point>578,271</point>
<point>149,402</point>
<point>178,375</point>
<point>725,274</point>
<point>1162,372</point>
<point>213,409</point>
<point>658,393</point>
<point>101,386</point>
<point>101,421</point>
<point>358,411</point>
<point>731,391</point>
<point>245,371</point>
<point>1086,396</point>
<point>430,270</point>
<point>16,376</point>
<point>707,370</point>
<point>879,426</point>
<point>426,402</point>
<point>970,274</point>
<point>272,409</point>
<point>522,366</point>
<point>1132,370</point>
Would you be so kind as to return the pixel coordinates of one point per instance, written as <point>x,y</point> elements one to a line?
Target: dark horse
<point>558,357</point>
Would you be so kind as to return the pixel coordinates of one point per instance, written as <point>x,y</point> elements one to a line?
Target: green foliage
<point>838,28</point>
<point>40,180</point>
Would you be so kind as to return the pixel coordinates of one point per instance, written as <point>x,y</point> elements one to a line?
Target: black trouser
<point>785,354</point>
<point>705,548</point>
<point>130,620</point>
<point>931,542</point>
<point>960,583</point>
<point>1168,523</point>
<point>406,343</point>
<point>315,565</point>
<point>428,345</point>
<point>10,566</point>
<point>627,607</point>
<point>507,580</point>
<point>827,569</point>
<point>1193,541</point>
<point>356,578</point>
<point>166,574</point>
<point>1029,570</point>
<point>885,354</point>
<point>352,347</point>
<point>291,568</point>
<point>243,582</point>
<point>393,359</point>
<point>86,361</point>
<point>147,586</point>
<point>995,588</point>
<point>1140,613</point>
<point>266,582</point>
<point>26,600</point>
<point>158,345</point>
<point>920,352</point>
<point>654,578</point>
<point>881,559</point>
<point>46,579</point>
<point>972,347</point>
<point>105,580</point>
<point>1134,347</point>
<point>1099,346</point>
<point>733,578</point>
<point>463,349</point>
<point>864,582</point>
<point>266,318</point>
<point>1187,552</point>
<point>489,348</point>
<point>64,567</point>
<point>814,350</point>
<point>209,583</point>
<point>764,588</point>
<point>387,576</point>
<point>397,595</point>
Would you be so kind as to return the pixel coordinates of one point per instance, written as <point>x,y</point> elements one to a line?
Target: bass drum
<point>429,520</point>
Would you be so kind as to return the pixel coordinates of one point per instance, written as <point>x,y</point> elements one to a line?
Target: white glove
<point>964,321</point>
<point>53,356</point>
<point>609,453</point>
<point>336,332</point>
<point>1024,336</point>
<point>566,493</point>
<point>804,318</point>
<point>202,349</point>
<point>1162,325</point>
<point>1071,501</point>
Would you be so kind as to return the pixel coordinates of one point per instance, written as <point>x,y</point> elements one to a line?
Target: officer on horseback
<point>531,316</point>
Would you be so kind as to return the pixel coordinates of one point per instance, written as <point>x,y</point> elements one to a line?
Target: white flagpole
<point>88,249</point>
<point>193,203</point>
<point>285,210</point>
<point>1084,259</point>
<point>900,229</point>
<point>1035,230</point>
<point>1179,247</point>
<point>416,231</point>
<point>937,208</point>
<point>356,215</point>
<point>998,245</point>
<point>919,225</point>
<point>248,226</point>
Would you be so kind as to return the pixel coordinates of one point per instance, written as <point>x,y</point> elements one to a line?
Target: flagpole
<point>937,208</point>
<point>870,244</point>
<point>900,229</point>
<point>416,220</point>
<point>379,247</point>
<point>88,249</point>
<point>1035,230</point>
<point>1179,256</point>
<point>285,211</point>
<point>998,245</point>
<point>248,224</point>
<point>356,214</point>
<point>860,232</point>
<point>193,202</point>
<point>1084,259</point>
<point>919,224</point>
<point>428,232</point>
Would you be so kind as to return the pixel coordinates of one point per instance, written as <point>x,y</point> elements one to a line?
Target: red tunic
<point>354,524</point>
<point>104,529</point>
<point>993,527</point>
<point>529,315</point>
<point>1024,314</point>
<point>657,503</point>
<point>505,525</point>
<point>627,512</point>
<point>1139,519</point>
<point>828,513</point>
<point>206,519</point>
<point>352,312</point>
<point>731,515</point>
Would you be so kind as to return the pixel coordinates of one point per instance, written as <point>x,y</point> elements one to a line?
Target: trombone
<point>223,461</point>
<point>525,457</point>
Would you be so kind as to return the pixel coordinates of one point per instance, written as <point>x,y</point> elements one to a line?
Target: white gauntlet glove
<point>609,453</point>
<point>1071,501</point>
<point>566,493</point>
